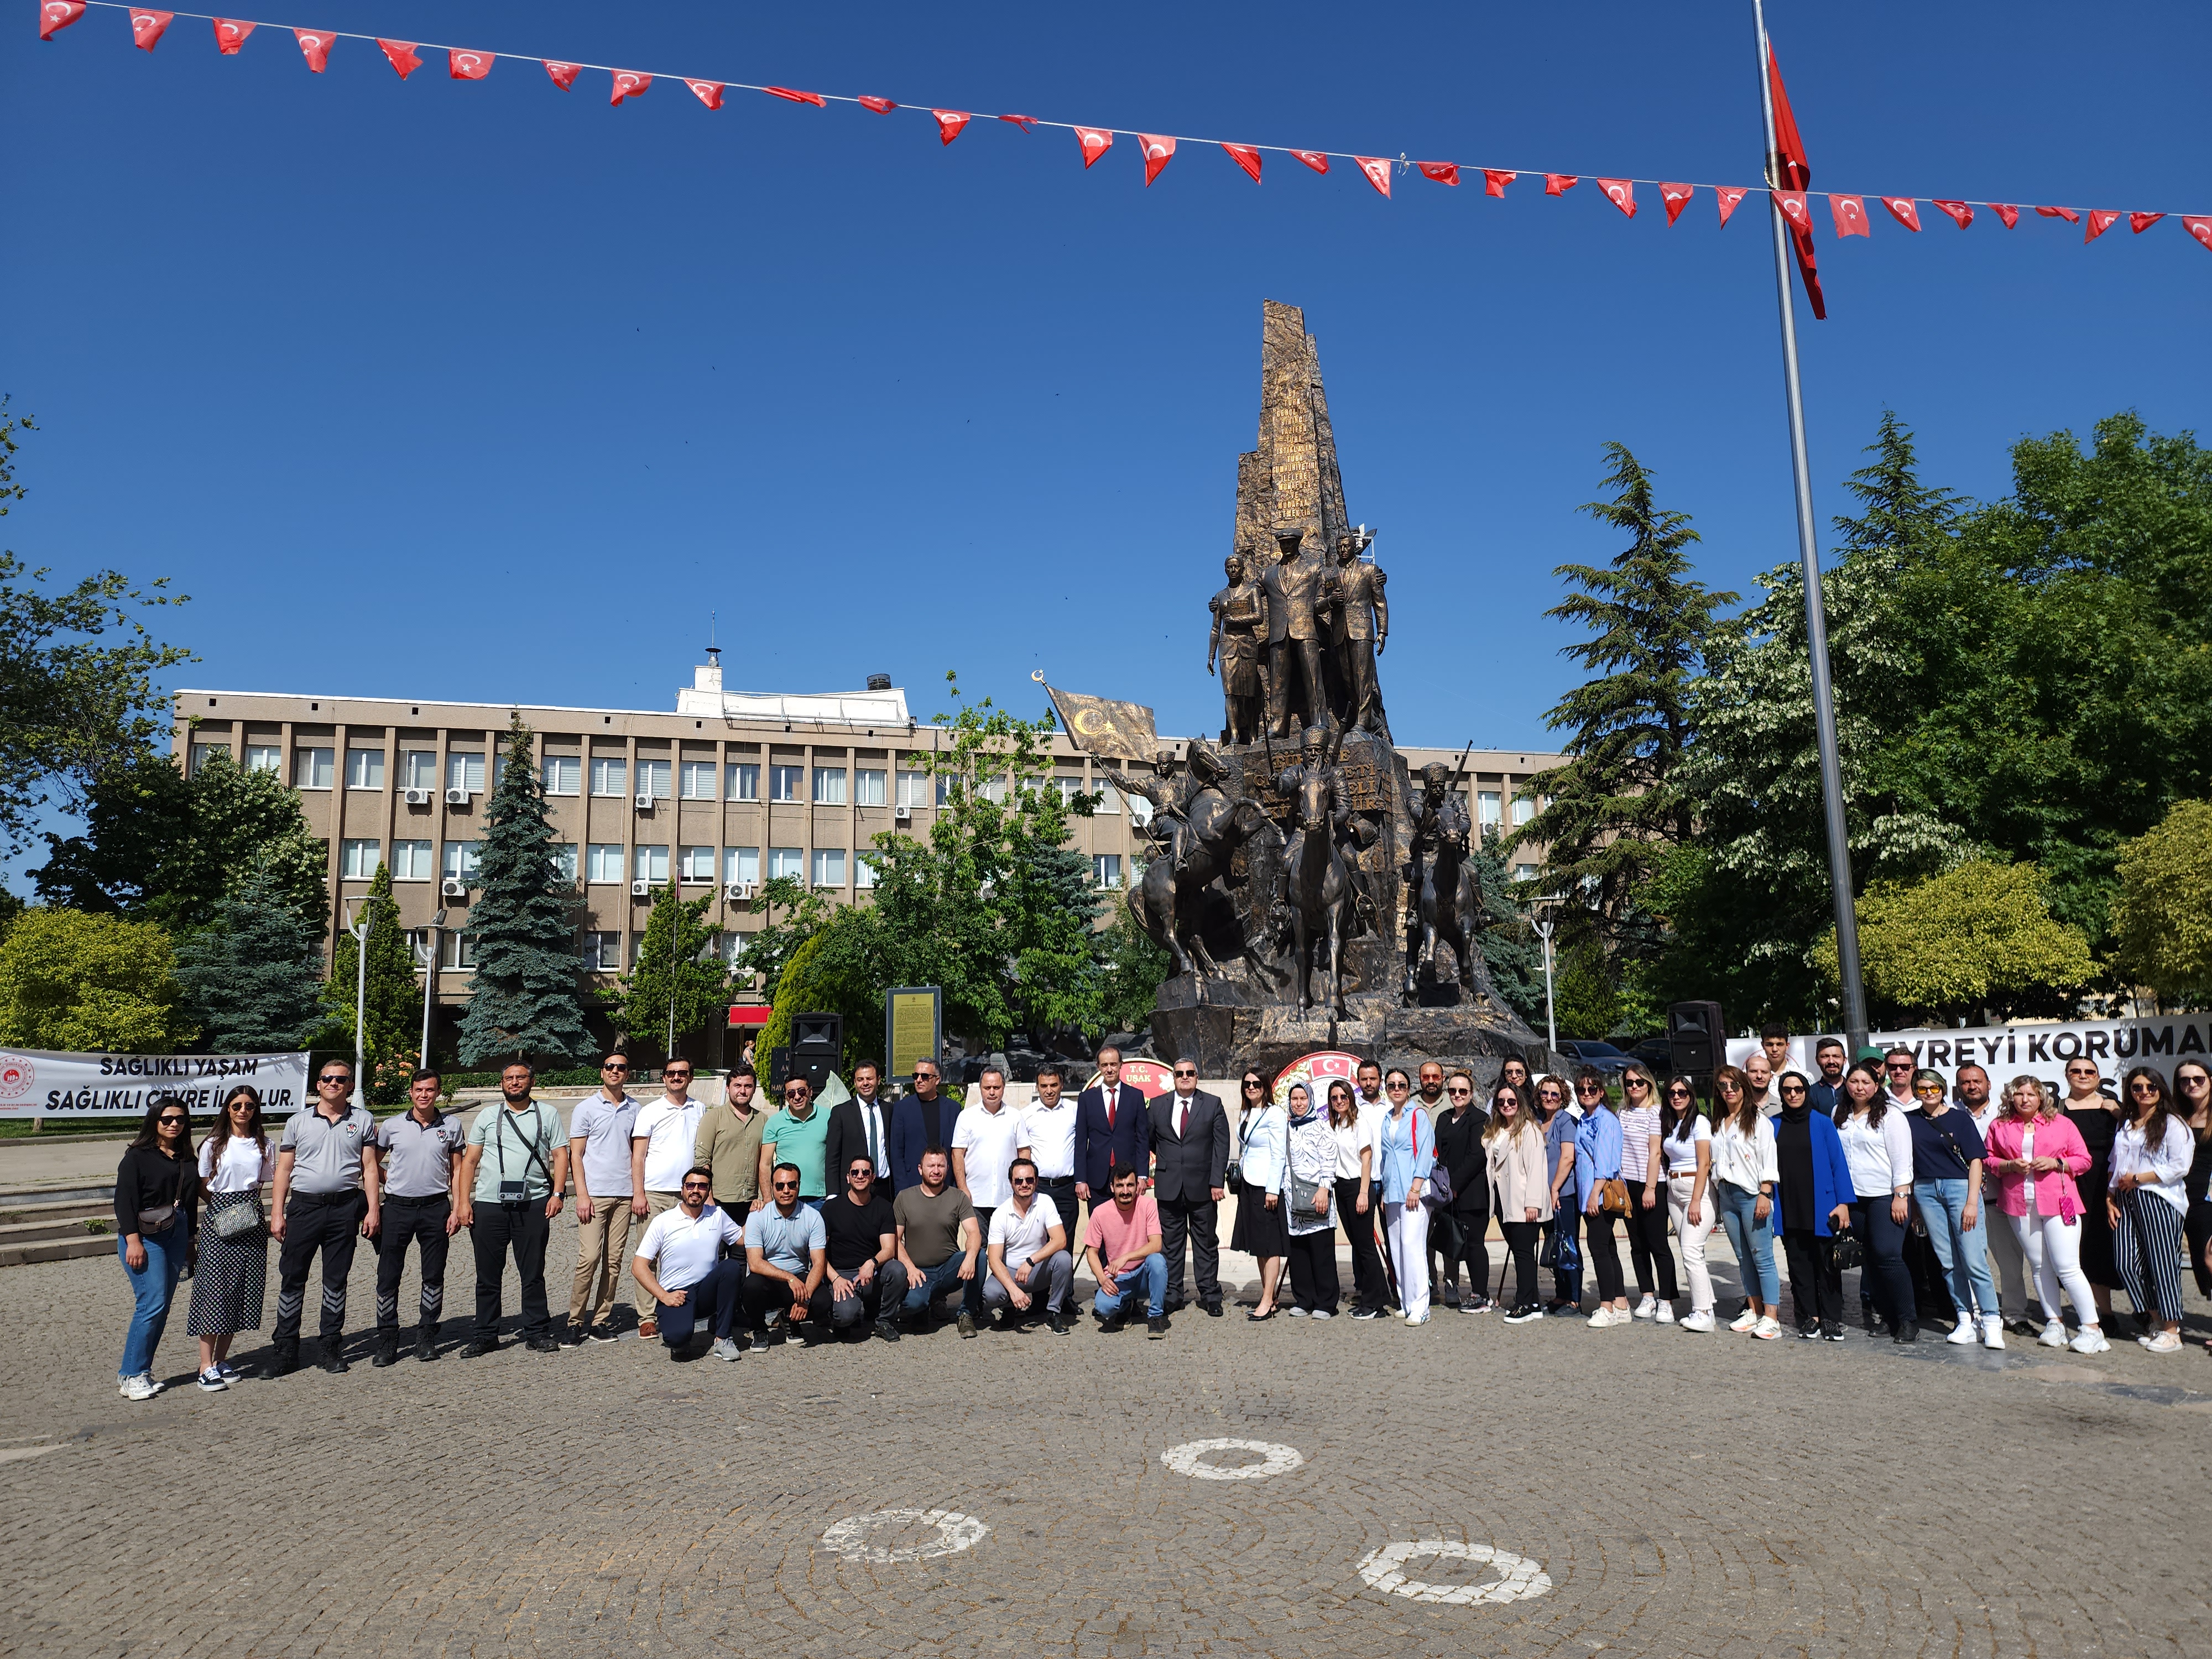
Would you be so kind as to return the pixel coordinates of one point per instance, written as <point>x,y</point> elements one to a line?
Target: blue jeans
<point>1153,1270</point>
<point>1751,1239</point>
<point>154,1286</point>
<point>1962,1251</point>
<point>925,1290</point>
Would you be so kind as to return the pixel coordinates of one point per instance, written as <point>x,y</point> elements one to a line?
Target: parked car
<point>1601,1057</point>
<point>1656,1053</point>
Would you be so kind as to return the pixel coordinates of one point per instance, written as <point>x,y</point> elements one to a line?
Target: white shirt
<point>1744,1163</point>
<point>1880,1159</point>
<point>2167,1164</point>
<point>684,1251</point>
<point>670,1134</point>
<point>882,1129</point>
<point>1682,1155</point>
<point>245,1166</point>
<point>1050,1134</point>
<point>989,1139</point>
<point>1022,1235</point>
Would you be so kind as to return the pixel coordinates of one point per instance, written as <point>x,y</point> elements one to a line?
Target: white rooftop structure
<point>875,709</point>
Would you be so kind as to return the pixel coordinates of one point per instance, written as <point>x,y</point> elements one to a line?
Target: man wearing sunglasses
<point>798,1135</point>
<point>1029,1259</point>
<point>680,1263</point>
<point>598,1150</point>
<point>512,1178</point>
<point>419,1160</point>
<point>1189,1137</point>
<point>327,1195</point>
<point>920,1120</point>
<point>663,1144</point>
<point>787,1254</point>
<point>865,1283</point>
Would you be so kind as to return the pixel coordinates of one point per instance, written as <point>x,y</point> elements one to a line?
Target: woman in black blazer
<point>1460,1150</point>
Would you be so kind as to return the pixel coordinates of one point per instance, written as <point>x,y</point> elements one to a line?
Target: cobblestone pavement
<point>1706,1496</point>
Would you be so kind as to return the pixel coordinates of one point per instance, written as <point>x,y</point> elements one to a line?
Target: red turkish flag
<point>1313,158</point>
<point>564,75</point>
<point>55,15</point>
<point>2006,211</point>
<point>147,27</point>
<point>709,93</point>
<point>1904,211</point>
<point>1158,152</point>
<point>1621,192</point>
<point>401,56</point>
<point>1559,184</point>
<point>468,66</point>
<point>1444,172</point>
<point>1792,203</point>
<point>1494,180</point>
<point>881,106</point>
<point>1729,195</point>
<point>1378,169</point>
<point>2067,213</point>
<point>1096,141</point>
<point>2100,220</point>
<point>1246,157</point>
<point>1961,214</point>
<point>1674,198</point>
<point>1850,213</point>
<point>790,95</point>
<point>230,34</point>
<point>2199,227</point>
<point>2140,222</point>
<point>628,83</point>
<point>948,123</point>
<point>314,46</point>
<point>1026,123</point>
<point>1789,168</point>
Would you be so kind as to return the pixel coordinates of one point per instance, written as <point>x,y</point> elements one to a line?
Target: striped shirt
<point>1637,1125</point>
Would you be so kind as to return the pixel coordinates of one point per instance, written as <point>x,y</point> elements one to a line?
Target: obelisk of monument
<point>1290,481</point>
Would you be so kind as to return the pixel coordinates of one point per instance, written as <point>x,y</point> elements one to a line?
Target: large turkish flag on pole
<point>1792,171</point>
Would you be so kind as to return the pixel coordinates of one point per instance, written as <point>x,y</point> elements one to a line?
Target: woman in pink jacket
<point>2035,1155</point>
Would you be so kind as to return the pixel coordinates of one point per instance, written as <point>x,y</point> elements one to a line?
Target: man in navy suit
<point>1189,1137</point>
<point>1110,1132</point>
<point>920,1120</point>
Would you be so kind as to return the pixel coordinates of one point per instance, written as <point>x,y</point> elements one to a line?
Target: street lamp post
<point>360,1003</point>
<point>1545,925</point>
<point>430,984</point>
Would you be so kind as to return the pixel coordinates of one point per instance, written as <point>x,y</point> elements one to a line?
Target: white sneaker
<point>1744,1321</point>
<point>2054,1334</point>
<point>211,1382</point>
<point>725,1348</point>
<point>140,1387</point>
<point>1961,1334</point>
<point>1645,1308</point>
<point>1322,1313</point>
<point>1700,1321</point>
<point>1297,1313</point>
<point>1605,1318</point>
<point>2164,1342</point>
<point>1768,1330</point>
<point>1993,1332</point>
<point>2092,1340</point>
<point>1664,1314</point>
<point>1420,1318</point>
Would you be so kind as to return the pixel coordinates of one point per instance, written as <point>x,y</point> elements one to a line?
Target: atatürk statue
<point>1362,628</point>
<point>1240,622</point>
<point>1447,903</point>
<point>1294,600</point>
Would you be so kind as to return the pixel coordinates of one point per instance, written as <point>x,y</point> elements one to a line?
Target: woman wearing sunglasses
<point>156,1193</point>
<point>230,1285</point>
<point>2147,1201</point>
<point>2192,1092</point>
<point>2037,1155</point>
<point>1812,1201</point>
<point>1643,1166</point>
<point>1514,1168</point>
<point>1878,1146</point>
<point>1459,1148</point>
<point>1260,1231</point>
<point>1686,1146</point>
<point>2098,1116</point>
<point>1744,1176</point>
<point>1562,1233</point>
<point>1948,1160</point>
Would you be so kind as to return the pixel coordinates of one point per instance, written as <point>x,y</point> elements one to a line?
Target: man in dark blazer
<point>1110,1131</point>
<point>921,1120</point>
<point>861,1127</point>
<point>1189,1136</point>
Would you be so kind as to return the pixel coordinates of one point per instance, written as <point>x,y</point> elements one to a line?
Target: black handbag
<point>1849,1252</point>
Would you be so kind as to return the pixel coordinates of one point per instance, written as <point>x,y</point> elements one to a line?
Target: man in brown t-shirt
<point>938,1240</point>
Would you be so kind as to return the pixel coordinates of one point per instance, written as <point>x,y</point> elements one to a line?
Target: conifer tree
<point>394,1001</point>
<point>254,975</point>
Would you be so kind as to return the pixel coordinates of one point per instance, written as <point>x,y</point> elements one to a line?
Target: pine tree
<point>1048,901</point>
<point>1509,947</point>
<point>675,961</point>
<point>254,976</point>
<point>526,1000</point>
<point>394,1001</point>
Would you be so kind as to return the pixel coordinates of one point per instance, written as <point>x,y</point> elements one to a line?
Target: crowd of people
<point>756,1225</point>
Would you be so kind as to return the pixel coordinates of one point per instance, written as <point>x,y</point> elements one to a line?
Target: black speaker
<point>1696,1041</point>
<point>818,1044</point>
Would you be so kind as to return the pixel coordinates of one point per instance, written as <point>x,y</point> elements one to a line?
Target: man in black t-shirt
<point>865,1278</point>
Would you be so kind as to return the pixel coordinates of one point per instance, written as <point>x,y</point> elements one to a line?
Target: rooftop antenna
<point>714,651</point>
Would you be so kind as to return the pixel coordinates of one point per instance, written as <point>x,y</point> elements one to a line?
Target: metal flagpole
<point>1816,623</point>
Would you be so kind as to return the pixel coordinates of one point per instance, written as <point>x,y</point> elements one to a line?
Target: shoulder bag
<point>1613,1198</point>
<point>1849,1252</point>
<point>238,1218</point>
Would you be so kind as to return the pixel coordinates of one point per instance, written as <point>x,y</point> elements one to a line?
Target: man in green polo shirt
<point>799,1134</point>
<point>515,1171</point>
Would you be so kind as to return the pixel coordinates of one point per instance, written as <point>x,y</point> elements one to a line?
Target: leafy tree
<point>76,672</point>
<point>1976,942</point>
<point>676,965</point>
<point>1585,996</point>
<point>1049,904</point>
<point>526,999</point>
<point>253,976</point>
<point>1509,946</point>
<point>2162,918</point>
<point>1132,968</point>
<point>394,1001</point>
<point>81,984</point>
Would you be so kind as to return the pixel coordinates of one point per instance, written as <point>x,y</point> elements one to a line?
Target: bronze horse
<point>1450,906</point>
<point>1169,901</point>
<point>1321,893</point>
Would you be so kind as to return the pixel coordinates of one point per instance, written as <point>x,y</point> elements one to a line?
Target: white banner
<point>36,1084</point>
<point>2041,1051</point>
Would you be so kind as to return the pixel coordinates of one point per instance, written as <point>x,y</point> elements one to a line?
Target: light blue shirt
<point>787,1241</point>
<point>1409,1151</point>
<point>1598,1152</point>
<point>1263,1147</point>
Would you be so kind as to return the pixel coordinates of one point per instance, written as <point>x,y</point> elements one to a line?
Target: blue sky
<point>487,391</point>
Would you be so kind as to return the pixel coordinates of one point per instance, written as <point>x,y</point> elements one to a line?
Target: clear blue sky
<point>491,391</point>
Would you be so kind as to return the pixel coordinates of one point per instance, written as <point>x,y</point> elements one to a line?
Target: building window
<point>498,765</point>
<point>741,864</point>
<point>914,789</point>
<point>364,768</point>
<point>460,949</point>
<point>412,860</point>
<point>204,752</point>
<point>357,860</point>
<point>418,768</point>
<point>829,867</point>
<point>1071,788</point>
<point>698,863</point>
<point>264,757</point>
<point>602,953</point>
<point>564,775</point>
<point>948,788</point>
<point>1525,872</point>
<point>1523,808</point>
<point>863,872</point>
<point>564,861</point>
<point>732,947</point>
<point>1487,803</point>
<point>744,781</point>
<point>1109,801</point>
<point>650,864</point>
<point>785,782</point>
<point>461,861</point>
<point>603,861</point>
<point>418,944</point>
<point>1106,869</point>
<point>464,771</point>
<point>868,786</point>
<point>786,861</point>
<point>610,776</point>
<point>654,779</point>
<point>313,769</point>
<point>828,786</point>
<point>697,778</point>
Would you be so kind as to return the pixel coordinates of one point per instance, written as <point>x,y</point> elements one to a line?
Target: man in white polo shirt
<point>1049,1141</point>
<point>680,1263</point>
<point>985,1142</point>
<point>1030,1270</point>
<point>662,1147</point>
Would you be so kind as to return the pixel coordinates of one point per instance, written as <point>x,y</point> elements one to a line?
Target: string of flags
<point>1848,212</point>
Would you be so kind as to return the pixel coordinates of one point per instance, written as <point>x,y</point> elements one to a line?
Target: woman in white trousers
<point>1409,1151</point>
<point>1686,1140</point>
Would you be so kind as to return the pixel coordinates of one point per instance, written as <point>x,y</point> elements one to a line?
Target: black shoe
<point>1061,1325</point>
<point>1831,1331</point>
<point>1906,1332</point>
<point>479,1346</point>
<point>1213,1308</point>
<point>544,1345</point>
<point>602,1332</point>
<point>387,1350</point>
<point>1156,1327</point>
<point>281,1362</point>
<point>333,1360</point>
<point>779,1331</point>
<point>1174,1305</point>
<point>1867,1316</point>
<point>575,1336</point>
<point>967,1323</point>
<point>426,1342</point>
<point>887,1329</point>
<point>1114,1326</point>
<point>1808,1333</point>
<point>1525,1313</point>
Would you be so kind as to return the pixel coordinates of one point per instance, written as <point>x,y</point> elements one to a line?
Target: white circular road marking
<point>1190,1458</point>
<point>954,1532</point>
<point>1519,1578</point>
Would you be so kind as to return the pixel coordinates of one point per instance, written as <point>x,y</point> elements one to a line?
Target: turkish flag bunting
<point>1444,172</point>
<point>792,95</point>
<point>1026,123</point>
<point>1096,141</point>
<point>1674,198</point>
<point>2199,227</point>
<point>1495,180</point>
<point>628,83</point>
<point>468,66</point>
<point>564,75</point>
<point>1621,192</point>
<point>230,34</point>
<point>2140,222</point>
<point>314,46</point>
<point>1378,169</point>
<point>2100,220</point>
<point>1792,203</point>
<point>1904,211</point>
<point>1246,157</point>
<point>2067,213</point>
<point>57,14</point>
<point>1729,195</point>
<point>1850,213</point>
<point>2006,211</point>
<point>147,27</point>
<point>1313,158</point>
<point>1559,184</point>
<point>709,93</point>
<point>1158,152</point>
<point>948,123</point>
<point>1961,214</point>
<point>401,56</point>
<point>1789,168</point>
<point>881,106</point>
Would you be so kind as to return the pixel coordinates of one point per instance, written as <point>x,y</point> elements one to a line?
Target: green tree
<point>1049,904</point>
<point>394,1029</point>
<point>675,967</point>
<point>77,669</point>
<point>526,999</point>
<point>1133,967</point>
<point>81,984</point>
<point>1585,996</point>
<point>1509,946</point>
<point>2162,918</point>
<point>253,976</point>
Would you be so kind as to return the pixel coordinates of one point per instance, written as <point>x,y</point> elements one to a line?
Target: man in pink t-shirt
<point>1122,1246</point>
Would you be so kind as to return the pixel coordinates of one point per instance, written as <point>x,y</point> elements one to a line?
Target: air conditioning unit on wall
<point>457,798</point>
